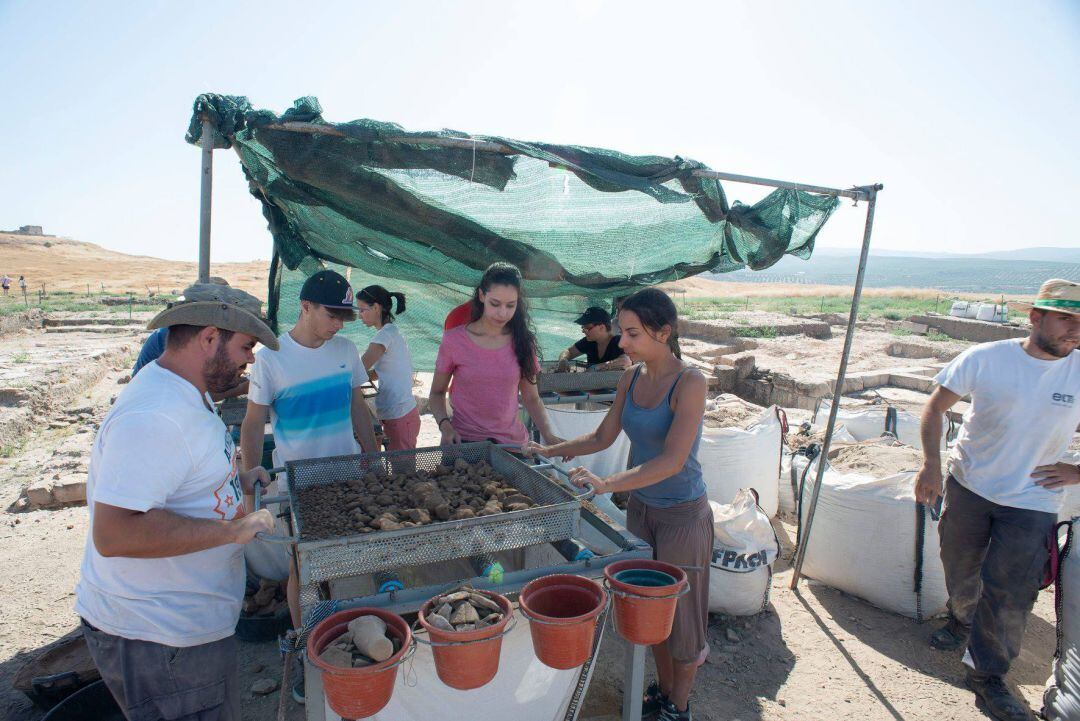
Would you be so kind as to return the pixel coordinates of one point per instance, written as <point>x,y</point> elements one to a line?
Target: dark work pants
<point>151,681</point>
<point>994,558</point>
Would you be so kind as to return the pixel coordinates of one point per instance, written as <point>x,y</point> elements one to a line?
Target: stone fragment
<point>264,686</point>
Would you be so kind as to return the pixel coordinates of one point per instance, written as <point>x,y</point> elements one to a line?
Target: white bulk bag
<point>1070,501</point>
<point>568,422</point>
<point>1061,702</point>
<point>733,458</point>
<point>909,430</point>
<point>866,541</point>
<point>793,465</point>
<point>862,422</point>
<point>744,549</point>
<point>959,309</point>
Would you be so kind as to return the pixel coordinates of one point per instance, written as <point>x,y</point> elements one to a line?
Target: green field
<point>58,301</point>
<point>877,306</point>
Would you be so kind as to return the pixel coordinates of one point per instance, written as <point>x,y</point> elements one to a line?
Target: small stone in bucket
<point>342,651</point>
<point>463,610</point>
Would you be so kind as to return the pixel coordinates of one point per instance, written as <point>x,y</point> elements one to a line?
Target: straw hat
<point>209,304</point>
<point>1055,294</point>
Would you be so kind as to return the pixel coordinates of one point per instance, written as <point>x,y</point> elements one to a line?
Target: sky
<point>966,111</point>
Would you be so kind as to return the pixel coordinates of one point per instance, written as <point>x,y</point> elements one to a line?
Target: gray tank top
<point>647,429</point>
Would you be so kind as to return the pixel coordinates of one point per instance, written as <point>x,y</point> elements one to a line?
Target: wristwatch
<point>442,421</point>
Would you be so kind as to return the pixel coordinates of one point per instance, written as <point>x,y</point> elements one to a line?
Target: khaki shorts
<point>681,535</point>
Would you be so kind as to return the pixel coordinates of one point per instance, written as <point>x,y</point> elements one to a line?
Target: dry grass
<point>71,265</point>
<point>705,288</point>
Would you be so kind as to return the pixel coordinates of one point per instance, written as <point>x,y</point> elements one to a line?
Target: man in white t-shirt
<point>162,576</point>
<point>1004,485</point>
<point>310,387</point>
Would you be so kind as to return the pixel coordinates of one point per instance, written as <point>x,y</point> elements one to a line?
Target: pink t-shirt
<point>484,389</point>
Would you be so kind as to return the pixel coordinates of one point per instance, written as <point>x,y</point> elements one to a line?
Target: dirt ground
<point>816,360</point>
<point>814,654</point>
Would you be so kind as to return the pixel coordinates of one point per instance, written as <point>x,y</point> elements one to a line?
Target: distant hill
<point>1051,255</point>
<point>71,265</point>
<point>1013,273</point>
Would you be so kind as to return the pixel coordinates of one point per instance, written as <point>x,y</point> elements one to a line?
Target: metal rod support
<point>633,682</point>
<point>205,198</point>
<point>838,390</point>
<point>858,193</point>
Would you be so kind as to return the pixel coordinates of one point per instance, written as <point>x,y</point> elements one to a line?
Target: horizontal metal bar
<point>411,599</point>
<point>555,398</point>
<point>856,193</point>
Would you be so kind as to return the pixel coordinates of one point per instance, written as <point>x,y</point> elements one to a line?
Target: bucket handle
<point>627,594</point>
<point>533,619</point>
<point>260,500</point>
<point>409,652</point>
<point>417,629</point>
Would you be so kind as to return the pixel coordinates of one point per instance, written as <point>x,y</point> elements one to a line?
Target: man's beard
<point>220,373</point>
<point>1044,344</point>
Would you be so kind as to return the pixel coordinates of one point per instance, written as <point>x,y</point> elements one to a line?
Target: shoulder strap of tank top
<point>671,391</point>
<point>633,380</point>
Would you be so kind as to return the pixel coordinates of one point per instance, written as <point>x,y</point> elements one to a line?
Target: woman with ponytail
<point>387,358</point>
<point>660,403</point>
<point>491,360</point>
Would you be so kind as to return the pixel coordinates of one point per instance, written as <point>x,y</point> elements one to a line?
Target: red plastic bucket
<point>475,661</point>
<point>562,610</point>
<point>355,693</point>
<point>643,614</point>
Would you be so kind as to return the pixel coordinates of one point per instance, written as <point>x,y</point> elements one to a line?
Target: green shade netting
<point>400,209</point>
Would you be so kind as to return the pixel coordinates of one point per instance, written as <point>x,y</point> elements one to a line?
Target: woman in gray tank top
<point>660,404</point>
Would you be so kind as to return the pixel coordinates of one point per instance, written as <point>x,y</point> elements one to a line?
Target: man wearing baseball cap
<point>163,576</point>
<point>1004,484</point>
<point>310,387</point>
<point>600,346</point>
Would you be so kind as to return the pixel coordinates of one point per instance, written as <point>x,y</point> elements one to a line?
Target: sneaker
<point>298,679</point>
<point>950,637</point>
<point>999,700</point>
<point>668,712</point>
<point>652,700</point>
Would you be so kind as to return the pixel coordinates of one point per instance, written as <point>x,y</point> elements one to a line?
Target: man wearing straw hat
<point>1004,484</point>
<point>162,576</point>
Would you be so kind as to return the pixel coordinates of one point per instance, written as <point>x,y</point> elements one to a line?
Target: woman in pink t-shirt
<point>491,359</point>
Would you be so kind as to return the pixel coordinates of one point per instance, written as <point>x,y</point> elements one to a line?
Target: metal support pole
<point>633,682</point>
<point>838,390</point>
<point>204,200</point>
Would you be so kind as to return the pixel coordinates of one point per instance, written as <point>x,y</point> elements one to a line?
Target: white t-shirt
<point>395,371</point>
<point>1023,414</point>
<point>161,447</point>
<point>309,391</point>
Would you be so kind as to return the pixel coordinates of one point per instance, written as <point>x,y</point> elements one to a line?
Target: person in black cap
<point>310,388</point>
<point>600,345</point>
